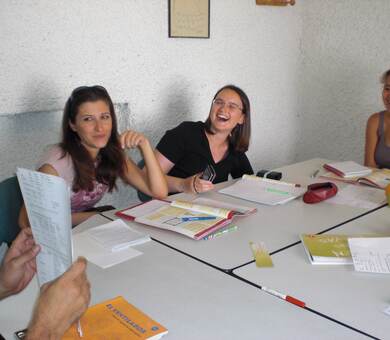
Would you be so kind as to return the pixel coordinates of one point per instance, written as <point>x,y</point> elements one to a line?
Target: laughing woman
<point>377,150</point>
<point>91,155</point>
<point>221,142</point>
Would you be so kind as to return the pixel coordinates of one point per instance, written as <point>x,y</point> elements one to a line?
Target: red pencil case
<point>318,192</point>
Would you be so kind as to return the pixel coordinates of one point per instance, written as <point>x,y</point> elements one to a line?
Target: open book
<point>116,319</point>
<point>263,190</point>
<point>379,178</point>
<point>189,218</point>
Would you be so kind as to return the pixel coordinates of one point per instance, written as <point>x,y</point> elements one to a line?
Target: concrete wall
<point>344,52</point>
<point>311,72</point>
<point>48,48</point>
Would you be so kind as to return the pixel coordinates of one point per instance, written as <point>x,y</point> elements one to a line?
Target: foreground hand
<point>61,303</point>
<point>196,185</point>
<point>19,266</point>
<point>132,139</point>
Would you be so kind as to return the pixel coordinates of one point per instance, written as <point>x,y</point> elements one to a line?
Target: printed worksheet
<point>371,255</point>
<point>47,200</point>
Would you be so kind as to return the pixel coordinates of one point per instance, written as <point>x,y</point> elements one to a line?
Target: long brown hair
<point>111,161</point>
<point>240,135</point>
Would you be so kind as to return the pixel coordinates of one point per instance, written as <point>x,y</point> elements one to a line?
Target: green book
<point>327,249</point>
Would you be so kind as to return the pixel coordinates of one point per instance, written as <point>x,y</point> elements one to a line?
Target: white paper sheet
<point>359,196</point>
<point>371,255</point>
<point>47,200</point>
<point>116,235</point>
<point>84,245</point>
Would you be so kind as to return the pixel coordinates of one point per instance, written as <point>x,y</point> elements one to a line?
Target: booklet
<point>335,249</point>
<point>185,217</point>
<point>263,190</point>
<point>327,249</point>
<point>111,320</point>
<point>379,178</point>
<point>348,169</point>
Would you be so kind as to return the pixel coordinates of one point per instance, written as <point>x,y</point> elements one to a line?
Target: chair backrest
<point>10,203</point>
<point>141,196</point>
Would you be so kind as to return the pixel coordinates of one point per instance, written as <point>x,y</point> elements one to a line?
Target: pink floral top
<point>80,200</point>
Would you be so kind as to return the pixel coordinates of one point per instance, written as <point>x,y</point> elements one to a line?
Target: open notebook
<point>263,190</point>
<point>378,178</point>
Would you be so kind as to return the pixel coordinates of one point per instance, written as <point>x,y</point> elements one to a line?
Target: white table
<point>277,226</point>
<point>356,299</point>
<point>191,299</point>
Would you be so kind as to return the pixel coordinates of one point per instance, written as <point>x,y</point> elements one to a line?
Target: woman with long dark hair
<point>219,143</point>
<point>91,154</point>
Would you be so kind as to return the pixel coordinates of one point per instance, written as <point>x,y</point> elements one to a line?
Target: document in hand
<point>184,217</point>
<point>371,255</point>
<point>379,178</point>
<point>348,169</point>
<point>116,319</point>
<point>263,190</point>
<point>327,249</point>
<point>47,200</point>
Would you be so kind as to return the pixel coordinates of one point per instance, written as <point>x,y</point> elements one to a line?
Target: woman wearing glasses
<point>187,152</point>
<point>91,154</point>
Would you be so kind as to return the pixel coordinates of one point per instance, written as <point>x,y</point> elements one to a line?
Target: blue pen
<point>197,218</point>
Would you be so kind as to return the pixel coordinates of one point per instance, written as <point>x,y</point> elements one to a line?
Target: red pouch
<point>318,192</point>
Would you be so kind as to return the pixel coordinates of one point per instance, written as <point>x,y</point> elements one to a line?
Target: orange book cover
<point>116,319</point>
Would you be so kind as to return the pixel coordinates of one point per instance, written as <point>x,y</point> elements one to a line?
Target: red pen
<point>287,298</point>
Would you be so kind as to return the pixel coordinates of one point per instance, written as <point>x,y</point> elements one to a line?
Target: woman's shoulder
<point>189,125</point>
<point>57,157</point>
<point>53,152</point>
<point>373,120</point>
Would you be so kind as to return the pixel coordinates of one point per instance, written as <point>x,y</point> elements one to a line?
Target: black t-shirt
<point>188,148</point>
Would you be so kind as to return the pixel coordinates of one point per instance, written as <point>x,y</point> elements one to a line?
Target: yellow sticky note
<point>260,254</point>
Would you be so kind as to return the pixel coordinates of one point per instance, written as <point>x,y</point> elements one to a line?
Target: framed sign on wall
<point>189,18</point>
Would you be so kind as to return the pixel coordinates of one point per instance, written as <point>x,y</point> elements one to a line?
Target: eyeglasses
<point>82,88</point>
<point>232,107</point>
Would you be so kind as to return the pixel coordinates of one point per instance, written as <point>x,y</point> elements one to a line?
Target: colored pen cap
<point>318,192</point>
